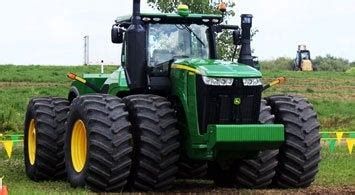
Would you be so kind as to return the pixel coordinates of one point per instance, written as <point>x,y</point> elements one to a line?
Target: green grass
<point>44,74</point>
<point>18,84</point>
<point>15,178</point>
<point>332,93</point>
<point>337,169</point>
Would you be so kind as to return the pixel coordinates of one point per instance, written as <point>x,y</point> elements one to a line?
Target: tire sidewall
<point>30,169</point>
<point>75,178</point>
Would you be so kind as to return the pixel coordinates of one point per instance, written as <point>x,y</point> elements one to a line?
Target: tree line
<point>323,63</point>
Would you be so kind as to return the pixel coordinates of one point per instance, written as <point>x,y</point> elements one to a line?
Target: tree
<point>331,63</point>
<point>196,6</point>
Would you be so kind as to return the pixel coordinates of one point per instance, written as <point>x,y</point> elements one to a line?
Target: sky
<point>51,31</point>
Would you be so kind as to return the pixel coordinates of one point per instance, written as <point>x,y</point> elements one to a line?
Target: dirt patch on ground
<point>320,80</point>
<point>207,187</point>
<point>6,85</point>
<point>321,88</point>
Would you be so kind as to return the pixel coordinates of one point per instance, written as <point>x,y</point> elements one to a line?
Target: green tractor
<point>173,110</point>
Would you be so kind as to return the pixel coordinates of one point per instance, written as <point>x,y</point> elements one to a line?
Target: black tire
<point>250,173</point>
<point>49,115</point>
<point>259,172</point>
<point>156,142</point>
<point>109,143</point>
<point>225,178</point>
<point>192,169</point>
<point>300,154</point>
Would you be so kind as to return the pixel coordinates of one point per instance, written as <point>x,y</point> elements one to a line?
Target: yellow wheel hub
<point>78,146</point>
<point>31,142</point>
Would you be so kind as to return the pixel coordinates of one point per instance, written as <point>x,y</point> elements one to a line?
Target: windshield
<point>305,55</point>
<point>171,41</point>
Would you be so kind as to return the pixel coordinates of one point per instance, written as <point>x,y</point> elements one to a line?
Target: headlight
<point>252,82</point>
<point>218,81</point>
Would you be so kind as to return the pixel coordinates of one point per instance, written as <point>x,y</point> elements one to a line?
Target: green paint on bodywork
<point>184,89</point>
<point>237,141</point>
<point>95,79</point>
<point>250,137</point>
<point>220,68</point>
<point>228,142</point>
<point>116,82</point>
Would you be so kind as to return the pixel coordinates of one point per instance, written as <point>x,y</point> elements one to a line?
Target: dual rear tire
<point>295,164</point>
<point>98,143</point>
<point>44,138</point>
<point>101,149</point>
<point>156,143</point>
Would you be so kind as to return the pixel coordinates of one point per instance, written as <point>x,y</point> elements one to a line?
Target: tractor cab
<point>162,39</point>
<point>170,37</point>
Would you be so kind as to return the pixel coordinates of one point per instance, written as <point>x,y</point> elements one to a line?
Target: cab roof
<point>172,18</point>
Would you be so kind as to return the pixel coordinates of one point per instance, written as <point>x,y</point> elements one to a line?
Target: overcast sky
<point>52,31</point>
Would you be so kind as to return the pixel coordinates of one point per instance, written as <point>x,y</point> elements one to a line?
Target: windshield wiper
<point>192,32</point>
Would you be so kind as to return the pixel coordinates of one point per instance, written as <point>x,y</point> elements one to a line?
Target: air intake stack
<point>245,56</point>
<point>136,56</point>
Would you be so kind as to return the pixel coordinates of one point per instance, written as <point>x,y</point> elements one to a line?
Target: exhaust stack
<point>245,56</point>
<point>136,56</point>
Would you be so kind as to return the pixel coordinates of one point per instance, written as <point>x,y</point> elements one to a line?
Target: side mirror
<point>237,38</point>
<point>116,35</point>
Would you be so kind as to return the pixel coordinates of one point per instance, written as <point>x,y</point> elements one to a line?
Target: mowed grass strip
<point>51,74</point>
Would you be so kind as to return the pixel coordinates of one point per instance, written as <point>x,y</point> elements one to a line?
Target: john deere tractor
<point>173,109</point>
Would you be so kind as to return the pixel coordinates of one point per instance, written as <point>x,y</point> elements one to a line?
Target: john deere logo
<point>237,101</point>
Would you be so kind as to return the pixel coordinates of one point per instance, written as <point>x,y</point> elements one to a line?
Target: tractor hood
<point>217,68</point>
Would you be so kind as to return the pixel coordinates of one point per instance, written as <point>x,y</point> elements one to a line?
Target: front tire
<point>192,169</point>
<point>300,154</point>
<point>98,143</point>
<point>257,172</point>
<point>156,142</point>
<point>43,138</point>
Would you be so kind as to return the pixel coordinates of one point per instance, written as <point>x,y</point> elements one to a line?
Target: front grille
<point>215,104</point>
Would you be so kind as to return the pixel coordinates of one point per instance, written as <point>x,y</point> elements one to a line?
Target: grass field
<point>332,94</point>
<point>18,84</point>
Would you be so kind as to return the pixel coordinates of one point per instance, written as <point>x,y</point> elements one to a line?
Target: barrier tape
<point>331,138</point>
